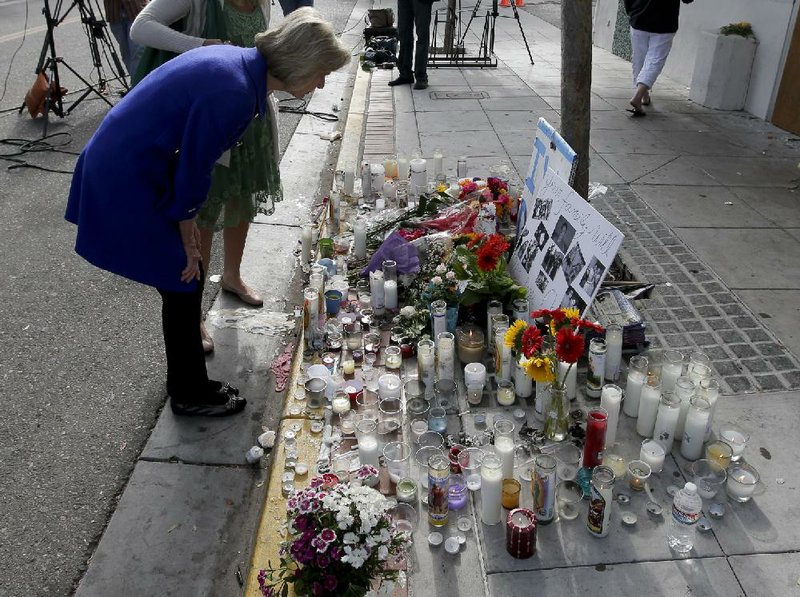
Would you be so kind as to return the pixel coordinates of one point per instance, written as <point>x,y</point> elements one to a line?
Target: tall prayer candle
<point>637,375</point>
<point>390,294</point>
<point>426,365</point>
<point>596,425</point>
<point>684,391</point>
<point>445,349</point>
<point>610,399</point>
<point>613,351</point>
<point>504,446</point>
<point>402,168</point>
<point>305,247</point>
<point>671,370</point>
<point>491,489</point>
<point>360,238</point>
<point>666,421</point>
<point>648,406</point>
<point>694,430</point>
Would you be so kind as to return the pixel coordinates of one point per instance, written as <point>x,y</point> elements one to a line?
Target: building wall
<point>771,21</point>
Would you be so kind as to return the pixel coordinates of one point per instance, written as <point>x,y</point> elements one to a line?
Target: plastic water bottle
<point>686,511</point>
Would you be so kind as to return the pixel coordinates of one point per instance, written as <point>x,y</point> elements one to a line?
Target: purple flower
<point>316,482</point>
<point>305,506</point>
<point>330,582</point>
<point>317,589</point>
<point>336,553</point>
<point>319,544</point>
<point>328,535</point>
<point>323,560</point>
<point>301,523</point>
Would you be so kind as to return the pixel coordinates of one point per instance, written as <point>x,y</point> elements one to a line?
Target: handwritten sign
<point>564,249</point>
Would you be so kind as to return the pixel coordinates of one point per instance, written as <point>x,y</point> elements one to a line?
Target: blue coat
<point>148,166</point>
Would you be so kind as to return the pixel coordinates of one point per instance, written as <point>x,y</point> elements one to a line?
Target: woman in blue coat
<point>146,171</point>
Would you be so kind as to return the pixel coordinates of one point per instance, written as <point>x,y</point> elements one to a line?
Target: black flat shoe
<point>233,405</point>
<point>421,84</point>
<point>401,81</point>
<point>223,386</point>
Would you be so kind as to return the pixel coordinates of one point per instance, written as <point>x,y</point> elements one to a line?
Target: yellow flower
<point>513,336</point>
<point>441,188</point>
<point>539,369</point>
<point>571,312</point>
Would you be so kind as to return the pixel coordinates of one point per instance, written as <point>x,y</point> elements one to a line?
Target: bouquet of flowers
<point>340,539</point>
<point>413,322</point>
<point>480,259</point>
<point>443,286</point>
<point>540,352</point>
<point>492,189</point>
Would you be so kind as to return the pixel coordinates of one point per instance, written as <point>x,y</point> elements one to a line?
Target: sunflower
<point>571,312</point>
<point>540,370</point>
<point>513,337</point>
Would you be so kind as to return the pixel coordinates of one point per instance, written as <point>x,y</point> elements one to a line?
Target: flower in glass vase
<point>340,538</point>
<point>558,339</point>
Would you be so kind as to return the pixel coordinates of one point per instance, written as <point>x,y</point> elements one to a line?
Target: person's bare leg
<point>235,238</point>
<point>636,100</point>
<point>206,239</point>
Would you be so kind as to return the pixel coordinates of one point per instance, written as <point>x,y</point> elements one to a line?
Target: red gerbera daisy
<point>590,325</point>
<point>569,345</point>
<point>486,260</point>
<point>532,340</point>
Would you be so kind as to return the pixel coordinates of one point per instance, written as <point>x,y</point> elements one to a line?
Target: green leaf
<point>285,591</point>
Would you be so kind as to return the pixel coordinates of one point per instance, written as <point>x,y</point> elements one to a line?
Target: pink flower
<point>330,582</point>
<point>328,535</point>
<point>319,544</point>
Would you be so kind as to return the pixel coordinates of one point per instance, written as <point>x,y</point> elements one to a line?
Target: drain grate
<point>459,95</point>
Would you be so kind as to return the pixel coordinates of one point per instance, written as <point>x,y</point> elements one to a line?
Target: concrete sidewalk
<point>708,204</point>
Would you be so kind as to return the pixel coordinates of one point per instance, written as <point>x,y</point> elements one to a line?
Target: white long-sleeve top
<point>152,26</point>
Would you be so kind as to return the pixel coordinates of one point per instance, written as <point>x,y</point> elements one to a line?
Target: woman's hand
<point>190,236</point>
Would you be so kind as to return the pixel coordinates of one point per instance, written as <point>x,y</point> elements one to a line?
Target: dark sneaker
<point>231,406</point>
<point>401,81</point>
<point>420,84</point>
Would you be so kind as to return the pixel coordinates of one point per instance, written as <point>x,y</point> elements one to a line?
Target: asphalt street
<point>81,356</point>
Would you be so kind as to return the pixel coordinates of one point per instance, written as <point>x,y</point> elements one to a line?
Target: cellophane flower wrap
<point>340,539</point>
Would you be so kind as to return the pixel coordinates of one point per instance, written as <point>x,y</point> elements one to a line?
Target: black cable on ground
<point>300,108</point>
<point>50,143</point>
<point>14,55</point>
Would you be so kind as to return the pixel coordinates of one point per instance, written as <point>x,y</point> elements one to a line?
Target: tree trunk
<point>450,28</point>
<point>576,84</point>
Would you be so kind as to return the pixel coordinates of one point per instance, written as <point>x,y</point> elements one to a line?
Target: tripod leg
<point>521,30</point>
<point>471,18</point>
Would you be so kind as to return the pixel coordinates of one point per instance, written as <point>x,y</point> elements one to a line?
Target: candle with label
<point>653,454</point>
<point>426,365</point>
<point>694,430</point>
<point>666,421</point>
<point>637,375</point>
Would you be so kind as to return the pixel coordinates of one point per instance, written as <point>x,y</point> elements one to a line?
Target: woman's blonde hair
<point>301,47</point>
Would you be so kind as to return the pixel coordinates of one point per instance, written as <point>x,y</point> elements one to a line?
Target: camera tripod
<point>102,51</point>
<point>494,15</point>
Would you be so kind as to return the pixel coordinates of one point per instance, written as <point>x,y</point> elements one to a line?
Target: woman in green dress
<point>246,181</point>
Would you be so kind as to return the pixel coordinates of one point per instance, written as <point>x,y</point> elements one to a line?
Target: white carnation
<point>440,269</point>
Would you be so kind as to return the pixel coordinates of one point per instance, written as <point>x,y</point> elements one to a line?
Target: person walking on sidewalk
<point>653,27</point>
<point>413,60</point>
<point>246,182</point>
<point>145,174</point>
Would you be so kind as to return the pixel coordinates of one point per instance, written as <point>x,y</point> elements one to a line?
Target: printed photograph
<point>572,299</point>
<point>594,274</point>
<point>526,250</point>
<point>542,282</point>
<point>541,209</point>
<point>552,261</point>
<point>541,236</point>
<point>573,263</point>
<point>563,234</point>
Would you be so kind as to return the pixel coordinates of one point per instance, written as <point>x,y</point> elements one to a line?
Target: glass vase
<point>556,422</point>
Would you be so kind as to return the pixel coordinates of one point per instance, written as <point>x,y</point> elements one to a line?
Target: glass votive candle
<point>737,440</point>
<point>347,422</point>
<point>417,409</point>
<point>423,456</point>
<point>457,494</point>
<point>414,388</point>
<point>568,457</point>
<point>616,463</point>
<point>444,392</point>
<point>354,389</point>
<point>469,459</point>
<point>367,401</point>
<point>406,491</point>
<point>568,498</point>
<point>417,429</point>
<point>742,481</point>
<point>505,393</point>
<point>404,517</point>
<point>510,495</point>
<point>315,392</point>
<point>369,361</point>
<point>437,419</point>
<point>470,344</point>
<point>340,403</point>
<point>638,474</point>
<point>653,454</point>
<point>397,456</point>
<point>389,386</point>
<point>392,358</point>
<point>372,342</point>
<point>708,476</point>
<point>431,439</point>
<point>340,466</point>
<point>390,412</point>
<point>353,335</point>
<point>333,341</point>
<point>475,380</point>
<point>719,452</point>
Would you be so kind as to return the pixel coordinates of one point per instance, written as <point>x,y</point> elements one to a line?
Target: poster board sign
<point>565,249</point>
<point>549,151</point>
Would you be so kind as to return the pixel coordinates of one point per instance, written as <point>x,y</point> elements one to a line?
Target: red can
<point>521,533</point>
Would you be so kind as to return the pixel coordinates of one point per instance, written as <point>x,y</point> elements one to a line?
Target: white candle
<point>523,385</point>
<point>377,176</point>
<point>571,380</point>
<point>695,429</point>
<point>402,167</point>
<point>445,349</point>
<point>741,484</point>
<point>426,365</point>
<point>437,162</point>
<point>648,410</point>
<point>666,422</point>
<point>340,404</point>
<point>633,391</point>
<point>390,294</point>
<point>389,192</point>
<point>475,374</point>
<point>709,389</point>
<point>368,451</point>
<point>419,176</point>
<point>491,492</point>
<point>653,454</point>
<point>390,167</point>
<point>504,446</point>
<point>305,251</point>
<point>389,386</point>
<point>610,400</point>
<point>360,239</point>
<point>377,291</point>
<point>366,180</point>
<point>613,352</point>
<point>684,391</point>
<point>349,182</point>
<point>670,372</point>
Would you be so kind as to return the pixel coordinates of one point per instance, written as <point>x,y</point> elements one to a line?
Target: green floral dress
<point>251,183</point>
